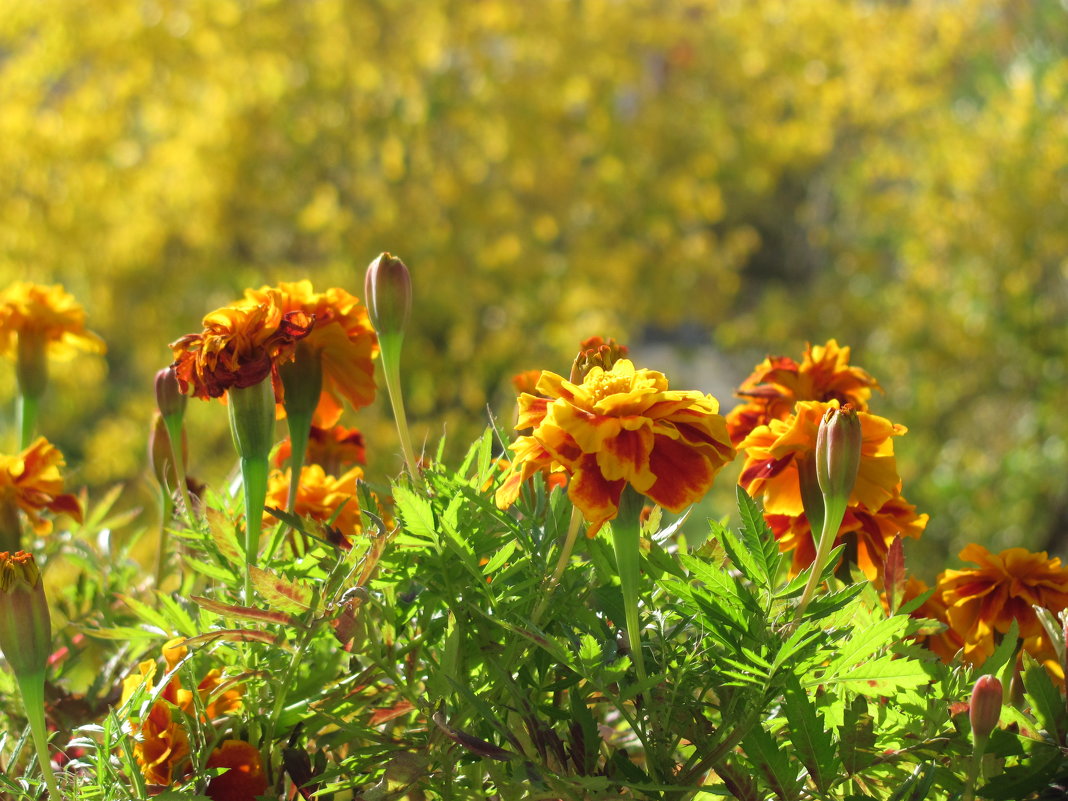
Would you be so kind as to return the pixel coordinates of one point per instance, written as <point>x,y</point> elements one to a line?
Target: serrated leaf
<point>244,612</point>
<point>1020,781</point>
<point>738,553</point>
<point>147,613</point>
<point>1046,702</point>
<point>879,677</point>
<point>224,536</point>
<point>916,787</point>
<point>809,734</point>
<point>756,536</point>
<point>416,512</point>
<point>281,592</point>
<point>773,762</point>
<point>865,642</point>
<point>122,633</point>
<point>234,635</point>
<point>496,562</point>
<point>1005,651</point>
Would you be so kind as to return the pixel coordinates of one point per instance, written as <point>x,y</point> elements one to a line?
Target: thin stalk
<point>173,424</point>
<point>832,520</point>
<point>299,432</point>
<point>626,540</point>
<point>283,688</point>
<point>32,689</point>
<point>974,769</point>
<point>254,479</point>
<point>26,411</point>
<point>391,347</point>
<point>166,502</point>
<point>561,564</point>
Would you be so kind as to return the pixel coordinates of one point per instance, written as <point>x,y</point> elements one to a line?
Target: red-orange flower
<point>240,346</point>
<point>342,338</point>
<point>526,381</point>
<point>334,449</point>
<point>982,602</point>
<point>31,481</point>
<point>244,778</point>
<point>320,496</point>
<point>624,426</point>
<point>945,642</point>
<point>48,314</point>
<point>779,382</point>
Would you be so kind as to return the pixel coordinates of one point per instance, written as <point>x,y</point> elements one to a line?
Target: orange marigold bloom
<point>526,381</point>
<point>982,602</point>
<point>244,779</point>
<point>779,382</point>
<point>530,459</point>
<point>342,337</point>
<point>320,496</point>
<point>31,481</point>
<point>240,345</point>
<point>334,449</point>
<point>48,314</point>
<point>623,426</point>
<point>773,452</point>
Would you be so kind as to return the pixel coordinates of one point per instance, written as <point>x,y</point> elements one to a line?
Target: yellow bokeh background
<point>730,177</point>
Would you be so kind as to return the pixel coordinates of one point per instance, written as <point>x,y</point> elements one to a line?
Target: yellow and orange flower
<point>31,481</point>
<point>342,338</point>
<point>618,427</point>
<point>50,316</point>
<point>334,449</point>
<point>526,381</point>
<point>982,602</point>
<point>162,747</point>
<point>320,496</point>
<point>531,458</point>
<point>241,345</point>
<point>779,382</point>
<point>244,779</point>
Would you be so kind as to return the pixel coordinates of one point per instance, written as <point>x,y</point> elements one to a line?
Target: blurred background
<point>708,181</point>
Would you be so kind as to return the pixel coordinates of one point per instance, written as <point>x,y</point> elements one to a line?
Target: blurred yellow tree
<point>768,171</point>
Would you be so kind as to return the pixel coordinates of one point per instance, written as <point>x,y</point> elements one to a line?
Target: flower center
<point>605,384</point>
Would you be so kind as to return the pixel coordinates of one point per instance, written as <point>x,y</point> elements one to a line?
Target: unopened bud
<point>169,397</point>
<point>838,452</point>
<point>596,352</point>
<point>25,625</point>
<point>985,707</point>
<point>387,290</point>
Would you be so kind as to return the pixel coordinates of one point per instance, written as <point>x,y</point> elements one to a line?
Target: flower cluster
<point>777,427</point>
<point>322,497</point>
<point>620,426</point>
<point>162,746</point>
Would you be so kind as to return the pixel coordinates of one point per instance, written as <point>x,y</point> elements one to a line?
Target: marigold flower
<point>334,449</point>
<point>526,381</point>
<point>241,345</point>
<point>244,780</point>
<point>624,426</point>
<point>31,481</point>
<point>531,458</point>
<point>47,314</point>
<point>779,382</point>
<point>982,602</point>
<point>596,352</point>
<point>320,496</point>
<point>944,642</point>
<point>342,338</point>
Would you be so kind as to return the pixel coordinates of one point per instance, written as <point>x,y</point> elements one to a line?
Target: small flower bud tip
<point>387,292</point>
<point>169,397</point>
<point>985,707</point>
<point>838,444</point>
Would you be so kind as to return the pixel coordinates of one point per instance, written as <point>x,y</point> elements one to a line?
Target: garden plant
<point>545,618</point>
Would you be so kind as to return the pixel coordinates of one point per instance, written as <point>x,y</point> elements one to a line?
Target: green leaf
<point>1005,651</point>
<point>1019,781</point>
<point>757,537</point>
<point>499,558</point>
<point>1046,702</point>
<point>809,734</point>
<point>416,512</point>
<point>878,677</point>
<point>866,642</point>
<point>916,786</point>
<point>773,761</point>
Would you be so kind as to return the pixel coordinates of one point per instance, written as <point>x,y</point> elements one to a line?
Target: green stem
<point>299,432</point>
<point>834,511</point>
<point>26,409</point>
<point>974,769</point>
<point>10,527</point>
<point>166,502</point>
<point>283,690</point>
<point>32,688</point>
<point>391,347</point>
<point>561,564</point>
<point>254,479</point>
<point>173,424</point>
<point>626,539</point>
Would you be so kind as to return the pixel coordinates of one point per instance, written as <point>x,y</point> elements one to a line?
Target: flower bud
<point>252,419</point>
<point>838,452</point>
<point>169,397</point>
<point>596,352</point>
<point>387,290</point>
<point>25,625</point>
<point>985,707</point>
<point>159,453</point>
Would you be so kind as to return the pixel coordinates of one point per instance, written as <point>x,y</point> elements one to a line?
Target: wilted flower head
<point>982,602</point>
<point>241,345</point>
<point>624,426</point>
<point>31,481</point>
<point>779,382</point>
<point>342,338</point>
